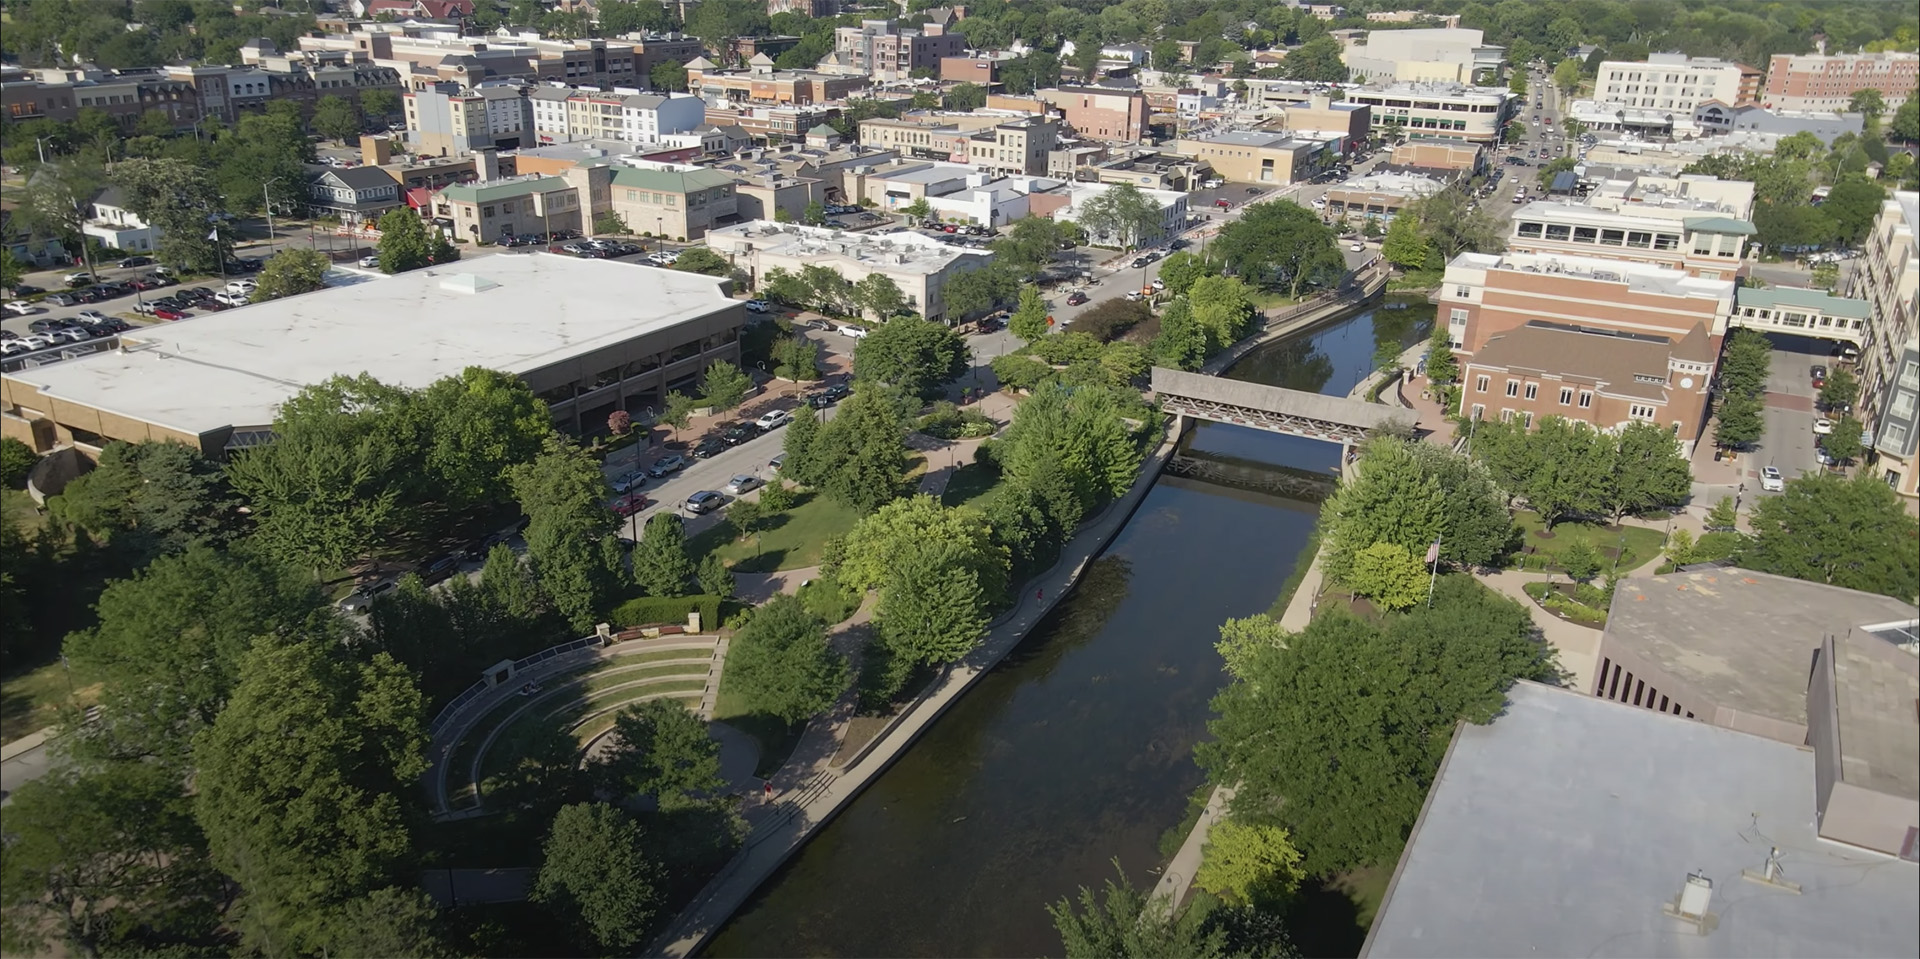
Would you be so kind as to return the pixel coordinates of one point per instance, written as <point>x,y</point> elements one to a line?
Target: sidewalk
<point>1578,646</point>
<point>808,792</point>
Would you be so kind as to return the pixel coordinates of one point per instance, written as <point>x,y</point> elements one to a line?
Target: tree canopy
<point>781,663</point>
<point>598,876</point>
<point>917,357</point>
<point>1847,532</point>
<point>1281,245</point>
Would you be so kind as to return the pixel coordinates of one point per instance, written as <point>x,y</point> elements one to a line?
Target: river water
<point>1077,749</point>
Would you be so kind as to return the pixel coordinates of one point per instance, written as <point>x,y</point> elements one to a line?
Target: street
<point>1789,441</point>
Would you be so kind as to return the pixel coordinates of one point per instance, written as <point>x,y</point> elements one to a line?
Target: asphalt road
<point>1789,441</point>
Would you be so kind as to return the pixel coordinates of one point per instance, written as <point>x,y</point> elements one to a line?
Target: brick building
<point>883,51</point>
<point>1099,113</point>
<point>1888,278</point>
<point>1820,81</point>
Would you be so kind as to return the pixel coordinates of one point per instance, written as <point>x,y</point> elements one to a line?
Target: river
<point>1077,749</point>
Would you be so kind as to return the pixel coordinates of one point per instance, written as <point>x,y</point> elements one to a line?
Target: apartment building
<point>1015,147</point>
<point>654,49</point>
<point>1822,81</point>
<point>184,94</point>
<point>548,105</point>
<point>1696,224</point>
<point>1888,278</point>
<point>1449,111</point>
<point>674,200</point>
<point>486,210</point>
<point>882,51</point>
<point>805,8</point>
<point>1672,82</point>
<point>762,85</point>
<point>444,120</point>
<point>1258,157</point>
<point>919,265</point>
<point>1099,113</point>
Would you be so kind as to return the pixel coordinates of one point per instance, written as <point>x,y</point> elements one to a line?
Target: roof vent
<point>467,283</point>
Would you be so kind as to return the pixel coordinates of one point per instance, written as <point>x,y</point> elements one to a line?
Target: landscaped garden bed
<point>1582,603</point>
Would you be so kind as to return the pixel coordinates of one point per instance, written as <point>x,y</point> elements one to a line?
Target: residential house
<point>355,195</point>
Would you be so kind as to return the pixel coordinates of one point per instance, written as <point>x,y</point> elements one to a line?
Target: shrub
<point>1020,373</point>
<point>16,461</point>
<point>829,600</point>
<point>777,497</point>
<point>1108,319</point>
<point>666,610</point>
<point>948,421</point>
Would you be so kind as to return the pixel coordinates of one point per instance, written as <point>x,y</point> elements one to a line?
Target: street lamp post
<point>268,199</point>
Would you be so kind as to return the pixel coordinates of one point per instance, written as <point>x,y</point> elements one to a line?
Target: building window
<point>1558,232</point>
<point>1513,387</point>
<point>1533,390</point>
<point>1480,384</point>
<point>1506,416</point>
<point>1566,396</point>
<point>1479,410</point>
<point>1639,412</point>
<point>1462,292</point>
<point>1457,318</point>
<point>1586,400</point>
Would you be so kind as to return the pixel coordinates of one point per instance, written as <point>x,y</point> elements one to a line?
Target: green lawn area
<point>534,725</point>
<point>788,540</point>
<point>31,701</point>
<point>1540,551</point>
<point>1266,300</point>
<point>970,483</point>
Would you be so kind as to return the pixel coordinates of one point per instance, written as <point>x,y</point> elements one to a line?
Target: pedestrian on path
<point>1038,593</point>
<point>767,789</point>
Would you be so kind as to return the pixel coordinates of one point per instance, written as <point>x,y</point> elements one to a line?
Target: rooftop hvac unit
<point>1690,905</point>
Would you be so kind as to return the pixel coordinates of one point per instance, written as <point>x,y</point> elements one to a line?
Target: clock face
<point>1686,382</point>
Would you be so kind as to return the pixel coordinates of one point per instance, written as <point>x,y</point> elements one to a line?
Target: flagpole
<point>1433,576</point>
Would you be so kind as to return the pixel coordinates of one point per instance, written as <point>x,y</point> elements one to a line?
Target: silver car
<point>742,483</point>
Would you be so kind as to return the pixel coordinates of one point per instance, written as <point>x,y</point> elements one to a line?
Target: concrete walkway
<point>808,793</point>
<point>1177,878</point>
<point>1578,646</point>
<point>756,588</point>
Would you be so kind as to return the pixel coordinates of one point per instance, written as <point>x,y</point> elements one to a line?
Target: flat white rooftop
<point>1561,828</point>
<point>1639,277</point>
<point>510,312</point>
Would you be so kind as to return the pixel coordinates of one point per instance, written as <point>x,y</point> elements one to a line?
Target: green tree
<point>1513,132</point>
<point>829,292</point>
<point>796,358</point>
<point>679,411</point>
<point>1570,471</point>
<point>1020,372</point>
<point>800,445</point>
<point>1030,321</point>
<point>919,210</point>
<point>393,921</point>
<point>17,460</point>
<point>1223,307</point>
<point>879,296</point>
<point>660,563</point>
<point>1580,561</point>
<point>744,516</point>
<point>1410,494</point>
<point>147,499</point>
<point>597,875</point>
<point>1317,60</point>
<point>1853,203</point>
<point>178,199</point>
<point>1249,862</point>
<point>872,547</point>
<point>917,357</point>
<point>1722,515</point>
<point>1441,366</point>
<point>105,860</point>
<point>1404,247</point>
<point>1129,924</point>
<point>1453,225</point>
<point>1182,341</point>
<point>1841,390</point>
<point>336,118</point>
<point>1566,75</point>
<point>1869,103</point>
<point>310,817</point>
<point>1844,443</point>
<point>1029,245</point>
<point>1680,547</point>
<point>782,286</point>
<point>668,76</point>
<point>1906,122</point>
<point>966,98</point>
<point>978,291</point>
<point>1281,245</point>
<point>404,244</point>
<point>815,214</point>
<point>714,576</point>
<point>379,103</point>
<point>1120,216</point>
<point>56,203</point>
<point>699,259</point>
<point>724,386</point>
<point>1648,471</point>
<point>1737,423</point>
<point>476,426</point>
<point>12,270</point>
<point>1518,82</point>
<point>1125,362</point>
<point>781,664</point>
<point>1382,699</point>
<point>570,531</point>
<point>1388,574</point>
<point>663,751</point>
<point>291,272</point>
<point>1850,533</point>
<point>1179,271</point>
<point>933,608</point>
<point>1078,431</point>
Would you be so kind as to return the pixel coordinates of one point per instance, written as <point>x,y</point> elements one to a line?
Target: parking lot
<point>1789,442</point>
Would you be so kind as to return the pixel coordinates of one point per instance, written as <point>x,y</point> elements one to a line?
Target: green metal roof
<point>1720,224</point>
<point>511,190</point>
<point>670,181</point>
<point>1794,297</point>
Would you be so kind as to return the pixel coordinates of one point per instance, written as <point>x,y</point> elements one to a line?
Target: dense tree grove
<point>1569,469</point>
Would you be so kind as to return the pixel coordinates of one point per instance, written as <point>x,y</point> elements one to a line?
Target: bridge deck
<point>1339,411</point>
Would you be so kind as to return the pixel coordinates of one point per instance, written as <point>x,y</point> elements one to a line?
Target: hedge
<point>667,611</point>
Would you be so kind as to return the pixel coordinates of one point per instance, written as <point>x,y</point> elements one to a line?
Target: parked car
<point>855,332</point>
<point>1822,427</point>
<point>231,299</point>
<point>1358,248</point>
<point>242,287</point>
<point>1770,480</point>
<point>773,465</point>
<point>629,482</point>
<point>629,504</point>
<point>1158,284</point>
<point>1076,298</point>
<point>22,289</point>
<point>773,420</point>
<point>668,464</point>
<point>47,324</point>
<point>711,446</point>
<point>370,262</point>
<point>759,306</point>
<point>90,317</point>
<point>164,313</point>
<point>81,278</point>
<point>705,501</point>
<point>734,434</point>
<point>133,261</point>
<point>362,599</point>
<point>742,483</point>
<point>1135,296</point>
<point>21,308</point>
<point>441,567</point>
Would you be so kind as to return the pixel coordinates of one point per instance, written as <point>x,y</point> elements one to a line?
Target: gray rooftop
<point>1219,389</point>
<point>1744,638</point>
<point>1561,828</point>
<point>1815,301</point>
<point>1875,687</point>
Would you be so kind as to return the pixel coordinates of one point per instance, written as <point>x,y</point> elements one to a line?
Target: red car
<point>1224,204</point>
<point>629,504</point>
<point>165,314</point>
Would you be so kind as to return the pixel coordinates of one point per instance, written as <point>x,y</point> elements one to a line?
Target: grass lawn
<point>788,540</point>
<point>526,733</point>
<point>31,701</point>
<point>970,483</point>
<point>1265,300</point>
<point>1540,550</point>
<point>775,738</point>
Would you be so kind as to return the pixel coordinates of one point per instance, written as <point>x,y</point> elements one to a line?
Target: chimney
<point>486,164</point>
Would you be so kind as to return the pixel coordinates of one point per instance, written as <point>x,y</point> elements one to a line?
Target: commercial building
<point>1603,377</point>
<point>762,85</point>
<point>1014,148</point>
<point>486,210</point>
<point>882,51</point>
<point>1574,827</point>
<point>1321,117</point>
<point>356,196</point>
<point>1424,55</point>
<point>1258,157</point>
<point>587,336</point>
<point>1449,111</point>
<point>1675,83</point>
<point>919,265</point>
<point>1485,294</point>
<point>1730,646</point>
<point>1447,156</point>
<point>1717,118</point>
<point>1694,223</point>
<point>1173,214</point>
<point>1099,113</point>
<point>444,120</point>
<point>983,69</point>
<point>1887,277</point>
<point>1378,196</point>
<point>790,178</point>
<point>929,136</point>
<point>1823,81</point>
<point>671,199</point>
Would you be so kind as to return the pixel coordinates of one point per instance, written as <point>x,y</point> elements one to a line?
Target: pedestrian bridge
<point>1275,409</point>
